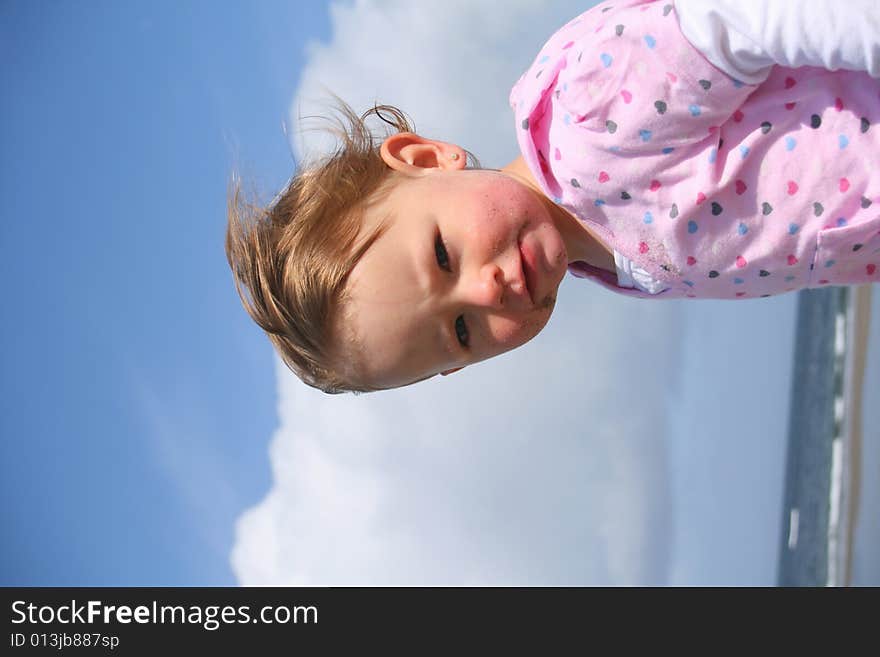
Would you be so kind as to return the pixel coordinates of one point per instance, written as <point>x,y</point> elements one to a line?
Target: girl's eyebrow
<point>446,340</point>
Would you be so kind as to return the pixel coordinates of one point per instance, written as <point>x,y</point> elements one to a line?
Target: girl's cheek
<point>504,330</point>
<point>508,333</point>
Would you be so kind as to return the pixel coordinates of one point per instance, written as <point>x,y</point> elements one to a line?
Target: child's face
<point>467,269</point>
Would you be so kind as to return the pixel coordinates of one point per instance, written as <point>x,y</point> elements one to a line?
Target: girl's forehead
<point>389,272</point>
<point>395,341</point>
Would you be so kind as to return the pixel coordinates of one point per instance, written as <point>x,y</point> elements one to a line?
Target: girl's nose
<point>486,287</point>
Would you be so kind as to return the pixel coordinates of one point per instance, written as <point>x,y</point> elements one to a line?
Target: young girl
<point>701,150</point>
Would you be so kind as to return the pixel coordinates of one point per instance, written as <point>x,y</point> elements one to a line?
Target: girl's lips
<point>530,269</point>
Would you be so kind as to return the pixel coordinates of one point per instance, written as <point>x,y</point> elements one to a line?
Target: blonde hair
<point>290,260</point>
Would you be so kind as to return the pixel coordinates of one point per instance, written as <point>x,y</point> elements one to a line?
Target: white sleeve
<point>635,277</point>
<point>745,38</point>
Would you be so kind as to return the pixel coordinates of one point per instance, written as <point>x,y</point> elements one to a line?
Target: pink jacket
<point>718,188</point>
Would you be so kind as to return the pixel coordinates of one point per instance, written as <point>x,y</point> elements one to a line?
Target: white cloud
<point>548,465</point>
<point>520,470</point>
<point>448,63</point>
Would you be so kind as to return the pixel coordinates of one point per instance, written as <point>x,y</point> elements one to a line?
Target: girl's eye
<point>461,331</point>
<point>442,255</point>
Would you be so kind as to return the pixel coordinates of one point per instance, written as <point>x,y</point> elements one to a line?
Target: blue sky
<point>137,400</point>
<point>150,436</point>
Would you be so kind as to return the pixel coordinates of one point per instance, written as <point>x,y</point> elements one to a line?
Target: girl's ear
<point>452,371</point>
<point>415,155</point>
